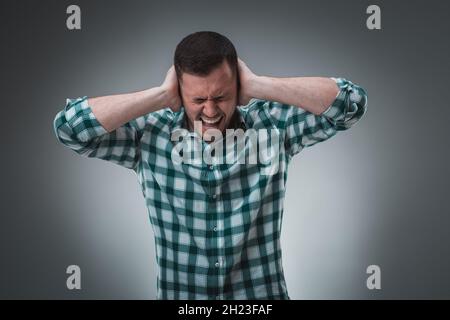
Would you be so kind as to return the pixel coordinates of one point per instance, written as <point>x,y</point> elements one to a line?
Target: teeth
<point>211,121</point>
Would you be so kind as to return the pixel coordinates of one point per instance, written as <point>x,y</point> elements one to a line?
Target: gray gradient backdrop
<point>376,194</point>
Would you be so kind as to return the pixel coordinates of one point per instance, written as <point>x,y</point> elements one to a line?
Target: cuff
<point>82,120</point>
<point>348,106</point>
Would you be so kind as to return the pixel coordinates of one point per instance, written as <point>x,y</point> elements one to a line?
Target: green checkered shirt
<point>217,227</point>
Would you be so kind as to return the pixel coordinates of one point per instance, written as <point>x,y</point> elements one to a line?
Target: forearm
<point>115,110</point>
<point>314,94</point>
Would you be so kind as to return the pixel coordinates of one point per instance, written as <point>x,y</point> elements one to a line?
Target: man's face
<point>211,99</point>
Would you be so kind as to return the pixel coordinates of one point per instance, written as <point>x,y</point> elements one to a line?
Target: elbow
<point>66,136</point>
<point>58,123</point>
<point>356,106</point>
<point>349,106</point>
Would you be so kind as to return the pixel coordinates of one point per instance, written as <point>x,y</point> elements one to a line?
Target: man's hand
<point>247,79</point>
<point>170,87</point>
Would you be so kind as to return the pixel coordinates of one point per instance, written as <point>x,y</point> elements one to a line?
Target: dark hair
<point>201,52</point>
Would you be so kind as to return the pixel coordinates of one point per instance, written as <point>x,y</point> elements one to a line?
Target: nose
<point>210,109</point>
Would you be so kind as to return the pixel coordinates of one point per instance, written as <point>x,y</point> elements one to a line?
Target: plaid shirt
<point>217,227</point>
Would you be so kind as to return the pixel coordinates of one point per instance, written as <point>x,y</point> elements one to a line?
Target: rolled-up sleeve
<point>304,129</point>
<point>348,107</point>
<point>78,129</point>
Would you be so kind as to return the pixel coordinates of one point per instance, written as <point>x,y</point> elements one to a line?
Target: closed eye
<point>202,100</point>
<point>199,101</point>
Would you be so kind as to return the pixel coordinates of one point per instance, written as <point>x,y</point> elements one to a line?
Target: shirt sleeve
<point>304,129</point>
<point>77,128</point>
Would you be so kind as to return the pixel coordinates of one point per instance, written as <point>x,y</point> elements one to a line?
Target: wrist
<point>258,87</point>
<point>168,97</point>
<point>162,96</point>
<point>155,98</point>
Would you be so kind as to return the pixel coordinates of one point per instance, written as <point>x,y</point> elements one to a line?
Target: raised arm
<point>313,94</point>
<point>307,110</point>
<point>110,127</point>
<point>115,110</point>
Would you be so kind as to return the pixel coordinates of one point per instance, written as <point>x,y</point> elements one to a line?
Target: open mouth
<point>211,121</point>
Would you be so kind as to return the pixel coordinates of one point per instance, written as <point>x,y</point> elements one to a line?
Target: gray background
<point>376,194</point>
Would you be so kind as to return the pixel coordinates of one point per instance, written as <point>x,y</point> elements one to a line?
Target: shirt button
<point>215,228</point>
<point>211,167</point>
<point>214,196</point>
<point>217,264</point>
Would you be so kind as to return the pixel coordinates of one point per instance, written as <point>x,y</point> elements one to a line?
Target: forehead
<point>218,81</point>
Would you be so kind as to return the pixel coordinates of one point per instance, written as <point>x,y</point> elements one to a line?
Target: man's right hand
<point>170,87</point>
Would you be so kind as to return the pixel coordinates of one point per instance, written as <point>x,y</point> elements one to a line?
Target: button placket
<point>214,225</point>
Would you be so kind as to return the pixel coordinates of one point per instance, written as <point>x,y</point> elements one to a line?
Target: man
<point>217,226</point>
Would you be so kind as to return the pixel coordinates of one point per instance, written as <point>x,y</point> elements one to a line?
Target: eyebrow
<point>215,97</point>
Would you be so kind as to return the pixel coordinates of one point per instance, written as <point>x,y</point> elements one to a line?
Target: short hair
<point>201,52</point>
